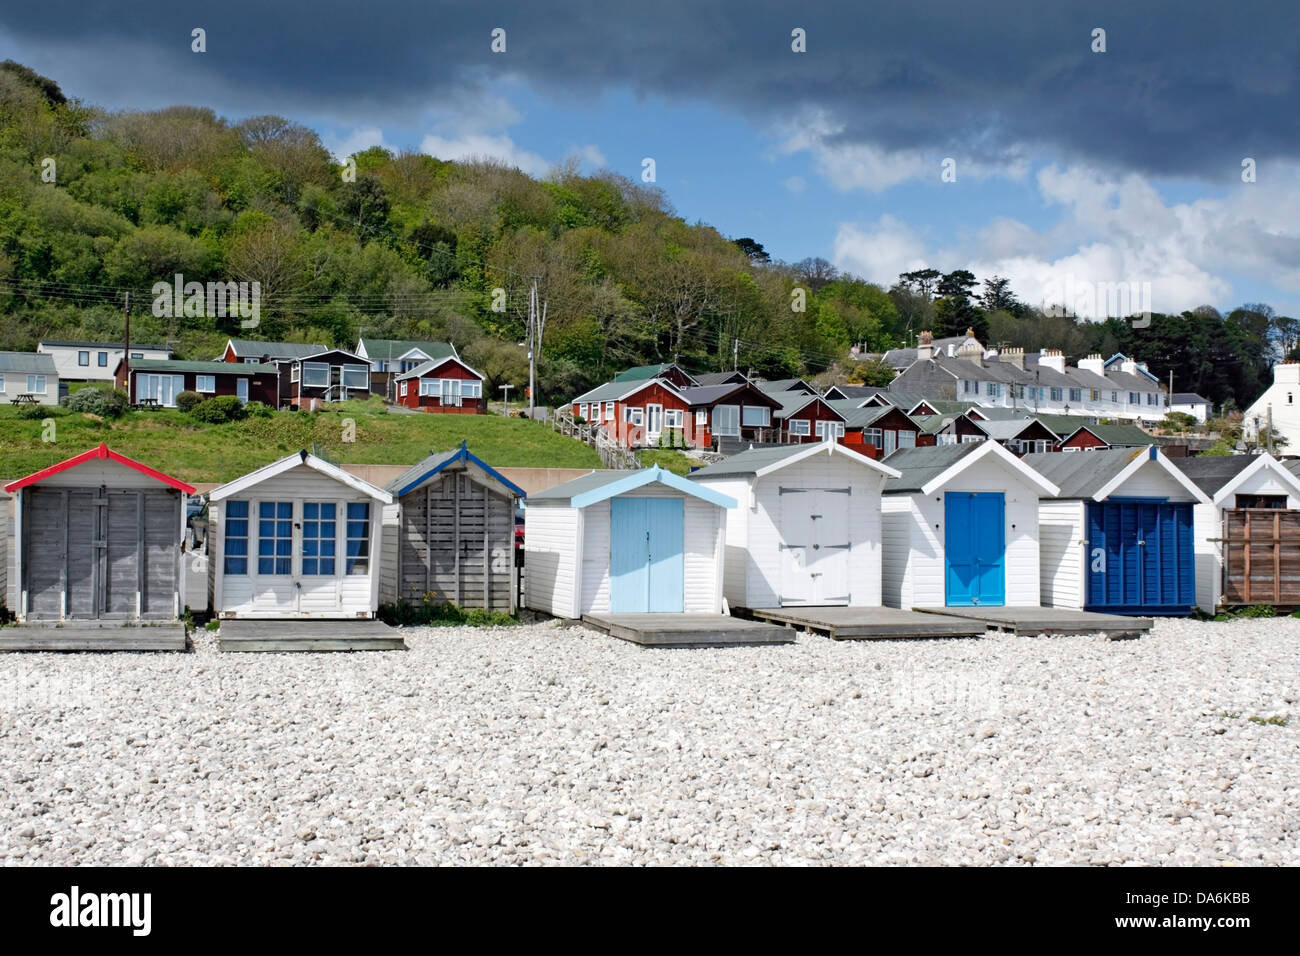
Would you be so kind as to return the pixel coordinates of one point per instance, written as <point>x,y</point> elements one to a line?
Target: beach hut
<point>619,542</point>
<point>455,539</point>
<point>97,538</point>
<point>806,531</point>
<point>1247,538</point>
<point>960,527</point>
<point>1117,537</point>
<point>296,539</point>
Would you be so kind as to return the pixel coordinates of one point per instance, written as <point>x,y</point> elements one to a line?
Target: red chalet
<point>442,385</point>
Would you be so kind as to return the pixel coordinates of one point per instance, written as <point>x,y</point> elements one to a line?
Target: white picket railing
<point>612,454</point>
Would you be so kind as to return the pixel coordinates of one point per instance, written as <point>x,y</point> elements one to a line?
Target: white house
<point>1189,403</point>
<point>95,361</point>
<point>1279,404</point>
<point>622,542</point>
<point>299,538</point>
<point>1117,538</point>
<point>960,528</point>
<point>1255,498</point>
<point>28,373</point>
<point>806,530</point>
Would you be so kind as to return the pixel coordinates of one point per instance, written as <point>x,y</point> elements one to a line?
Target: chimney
<point>1014,357</point>
<point>1128,365</point>
<point>1053,359</point>
<point>924,346</point>
<point>1093,363</point>
<point>971,349</point>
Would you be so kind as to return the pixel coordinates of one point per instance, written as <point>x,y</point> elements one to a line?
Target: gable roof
<point>461,459</point>
<point>722,378</point>
<point>1099,475</point>
<point>926,470</point>
<point>361,360</point>
<point>757,462</point>
<point>794,402</point>
<point>388,349</point>
<point>853,391</point>
<point>696,395</point>
<point>1187,398</point>
<point>1006,429</point>
<point>102,453</point>
<point>34,362</point>
<point>253,478</point>
<point>201,368</point>
<point>424,368</point>
<point>642,372</point>
<point>786,385</point>
<point>599,486</point>
<point>616,391</point>
<point>1221,475</point>
<point>251,348</point>
<point>1129,435</point>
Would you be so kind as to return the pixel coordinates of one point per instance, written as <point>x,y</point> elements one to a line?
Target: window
<point>36,383</point>
<point>1261,501</point>
<point>946,439</point>
<point>673,418</point>
<point>404,389</point>
<point>891,442</point>
<point>319,537</point>
<point>236,556</point>
<point>1076,394</point>
<point>968,387</point>
<point>609,409</point>
<point>102,360</point>
<point>1134,398</point>
<point>295,372</point>
<point>582,410</point>
<point>1020,391</point>
<point>831,428</point>
<point>83,358</point>
<point>726,420</point>
<point>358,541</point>
<point>451,394</point>
<point>756,416</point>
<point>1057,394</point>
<point>205,383</point>
<point>356,376</point>
<point>1094,395</point>
<point>429,386</point>
<point>799,426</point>
<point>992,389</point>
<point>1153,398</point>
<point>137,355</point>
<point>470,389</point>
<point>874,436</point>
<point>1114,398</point>
<point>2,382</point>
<point>906,439</point>
<point>633,416</point>
<point>315,375</point>
<point>971,439</point>
<point>274,537</point>
<point>161,388</point>
<point>253,361</point>
<point>702,418</point>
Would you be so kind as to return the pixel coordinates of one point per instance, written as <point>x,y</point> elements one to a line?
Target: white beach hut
<point>960,528</point>
<point>806,530</point>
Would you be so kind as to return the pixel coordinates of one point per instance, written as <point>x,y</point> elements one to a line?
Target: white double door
<point>815,553</point>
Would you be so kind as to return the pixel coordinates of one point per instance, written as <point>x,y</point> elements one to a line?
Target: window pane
<point>311,511</point>
<point>358,510</point>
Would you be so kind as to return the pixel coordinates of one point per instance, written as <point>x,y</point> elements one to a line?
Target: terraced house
<point>1117,387</point>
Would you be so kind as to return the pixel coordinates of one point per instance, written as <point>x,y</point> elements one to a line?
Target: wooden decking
<point>688,630</point>
<point>93,636</point>
<point>290,636</point>
<point>1047,620</point>
<point>867,623</point>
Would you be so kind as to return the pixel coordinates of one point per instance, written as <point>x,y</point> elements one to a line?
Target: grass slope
<point>176,444</point>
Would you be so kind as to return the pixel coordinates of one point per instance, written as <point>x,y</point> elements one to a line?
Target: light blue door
<point>646,566</point>
<point>974,549</point>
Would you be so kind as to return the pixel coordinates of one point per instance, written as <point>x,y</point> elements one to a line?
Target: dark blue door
<point>646,555</point>
<point>1140,558</point>
<point>974,549</point>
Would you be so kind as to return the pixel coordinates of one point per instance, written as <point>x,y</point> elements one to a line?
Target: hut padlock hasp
<point>456,533</point>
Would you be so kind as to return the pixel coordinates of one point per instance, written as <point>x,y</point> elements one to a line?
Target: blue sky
<point>1114,166</point>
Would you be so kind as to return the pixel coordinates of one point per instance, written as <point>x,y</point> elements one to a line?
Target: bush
<point>186,401</point>
<point>443,614</point>
<point>217,411</point>
<point>98,401</point>
<point>258,410</point>
<point>41,411</point>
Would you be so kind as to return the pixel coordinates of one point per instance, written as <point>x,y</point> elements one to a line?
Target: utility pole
<point>536,326</point>
<point>735,355</point>
<point>1270,429</point>
<point>126,351</point>
<point>505,399</point>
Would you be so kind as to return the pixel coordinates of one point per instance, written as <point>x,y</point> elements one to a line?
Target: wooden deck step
<point>93,636</point>
<point>868,623</point>
<point>688,630</point>
<point>1047,620</point>
<point>308,635</point>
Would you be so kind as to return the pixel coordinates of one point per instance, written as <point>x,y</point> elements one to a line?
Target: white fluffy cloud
<point>360,139</point>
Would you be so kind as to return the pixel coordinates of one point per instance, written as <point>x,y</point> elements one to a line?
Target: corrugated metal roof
<point>33,362</point>
<point>920,465</point>
<point>1081,474</point>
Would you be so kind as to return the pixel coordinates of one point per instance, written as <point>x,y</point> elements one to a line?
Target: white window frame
<point>701,417</point>
<point>355,370</point>
<point>766,414</point>
<point>971,439</point>
<point>1057,394</point>
<point>837,428</point>
<point>636,416</point>
<point>582,409</point>
<point>471,388</point>
<point>799,426</point>
<point>1135,398</point>
<point>673,418</point>
<point>34,378</point>
<point>722,428</point>
<point>83,354</point>
<point>2,382</point>
<point>205,383</point>
<point>252,361</point>
<point>404,384</point>
<point>1076,394</point>
<point>609,411</point>
<point>874,436</point>
<point>945,438</point>
<point>449,396</point>
<point>993,389</point>
<point>310,368</point>
<point>906,438</point>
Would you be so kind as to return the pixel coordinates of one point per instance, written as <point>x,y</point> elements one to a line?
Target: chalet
<point>963,428</point>
<point>442,385</point>
<point>28,373</point>
<point>163,380</point>
<point>389,358</point>
<point>884,428</point>
<point>1021,436</point>
<point>252,352</point>
<point>787,385</point>
<point>1094,437</point>
<point>722,413</point>
<point>636,413</point>
<point>95,361</point>
<point>329,376</point>
<point>807,417</point>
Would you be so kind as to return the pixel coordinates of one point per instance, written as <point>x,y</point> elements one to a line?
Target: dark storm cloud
<point>1184,87</point>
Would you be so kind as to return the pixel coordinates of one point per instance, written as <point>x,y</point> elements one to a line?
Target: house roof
<point>642,372</point>
<point>201,368</point>
<point>27,362</point>
<point>899,358</point>
<point>926,470</point>
<point>460,459</point>
<point>785,385</point>
<point>396,348</point>
<point>697,395</point>
<point>1005,429</point>
<point>307,358</point>
<point>757,462</point>
<point>249,348</point>
<point>102,345</point>
<point>1099,475</point>
<point>253,478</point>
<point>855,391</point>
<point>102,453</point>
<point>614,391</point>
<point>601,485</point>
<point>722,378</point>
<point>794,402</point>
<point>424,368</point>
<point>1129,435</point>
<point>1220,475</point>
<point>1187,398</point>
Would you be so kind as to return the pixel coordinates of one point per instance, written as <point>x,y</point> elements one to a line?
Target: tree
<point>754,250</point>
<point>922,281</point>
<point>42,84</point>
<point>997,295</point>
<point>873,371</point>
<point>815,273</point>
<point>955,311</point>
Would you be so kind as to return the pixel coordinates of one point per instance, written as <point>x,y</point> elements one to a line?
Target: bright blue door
<point>974,549</point>
<point>1140,557</point>
<point>646,564</point>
